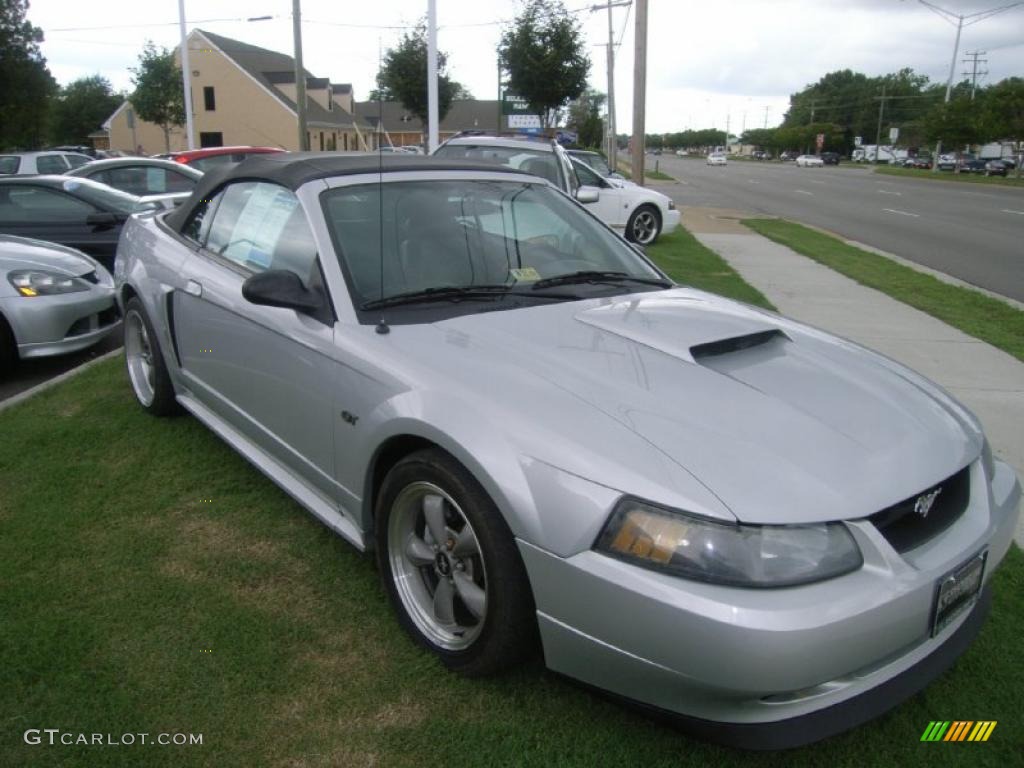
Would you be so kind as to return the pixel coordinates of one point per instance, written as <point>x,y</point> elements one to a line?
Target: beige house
<point>395,125</point>
<point>245,95</point>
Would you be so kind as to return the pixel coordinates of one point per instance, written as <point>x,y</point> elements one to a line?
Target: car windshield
<point>103,196</point>
<point>403,237</point>
<point>536,162</point>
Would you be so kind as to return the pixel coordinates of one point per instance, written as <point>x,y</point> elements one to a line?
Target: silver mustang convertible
<point>692,504</point>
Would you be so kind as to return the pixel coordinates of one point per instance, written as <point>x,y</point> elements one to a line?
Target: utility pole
<point>639,90</point>
<point>186,78</point>
<point>300,77</point>
<point>766,110</point>
<point>728,116</point>
<point>611,145</point>
<point>972,18</point>
<point>973,74</point>
<point>878,133</point>
<point>432,109</point>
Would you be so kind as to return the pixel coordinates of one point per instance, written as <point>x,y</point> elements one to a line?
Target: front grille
<point>905,528</point>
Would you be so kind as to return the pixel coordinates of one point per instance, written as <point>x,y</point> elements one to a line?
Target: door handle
<point>194,288</point>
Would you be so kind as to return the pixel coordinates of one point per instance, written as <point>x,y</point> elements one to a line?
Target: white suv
<point>641,214</point>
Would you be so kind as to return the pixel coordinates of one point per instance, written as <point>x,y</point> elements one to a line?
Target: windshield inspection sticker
<point>525,275</point>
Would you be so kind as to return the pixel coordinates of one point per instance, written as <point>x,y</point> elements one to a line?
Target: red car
<point>211,157</point>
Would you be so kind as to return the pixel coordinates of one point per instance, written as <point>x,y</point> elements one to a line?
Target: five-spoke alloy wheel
<point>450,565</point>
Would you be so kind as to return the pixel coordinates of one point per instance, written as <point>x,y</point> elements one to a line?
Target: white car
<point>809,161</point>
<point>33,163</point>
<point>641,214</point>
<point>717,158</point>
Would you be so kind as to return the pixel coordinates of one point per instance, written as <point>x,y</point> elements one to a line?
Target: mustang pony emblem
<point>924,502</point>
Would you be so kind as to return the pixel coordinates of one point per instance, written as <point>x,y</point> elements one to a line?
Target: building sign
<point>517,113</point>
<point>894,133</point>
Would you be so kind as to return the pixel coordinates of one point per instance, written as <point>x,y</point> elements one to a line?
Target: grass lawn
<point>686,260</point>
<point>981,316</point>
<point>152,581</point>
<point>968,178</point>
<point>626,169</point>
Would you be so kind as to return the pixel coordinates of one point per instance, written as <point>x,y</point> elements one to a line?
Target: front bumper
<point>57,325</point>
<point>669,221</point>
<point>746,663</point>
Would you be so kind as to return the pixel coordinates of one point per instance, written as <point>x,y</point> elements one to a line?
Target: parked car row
<point>84,210</point>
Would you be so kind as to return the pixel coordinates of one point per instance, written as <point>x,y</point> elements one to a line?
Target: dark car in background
<point>79,213</point>
<point>830,158</point>
<point>141,175</point>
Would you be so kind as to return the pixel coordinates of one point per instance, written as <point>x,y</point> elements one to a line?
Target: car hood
<point>27,253</point>
<point>783,423</point>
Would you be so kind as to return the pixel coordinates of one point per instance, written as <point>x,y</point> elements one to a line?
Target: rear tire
<point>144,361</point>
<point>450,566</point>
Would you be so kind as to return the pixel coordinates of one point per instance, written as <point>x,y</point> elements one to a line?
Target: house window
<point>211,139</point>
<point>346,141</point>
<point>321,141</point>
<point>209,99</point>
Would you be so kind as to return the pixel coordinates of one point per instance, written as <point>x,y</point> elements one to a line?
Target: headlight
<point>722,553</point>
<point>39,282</point>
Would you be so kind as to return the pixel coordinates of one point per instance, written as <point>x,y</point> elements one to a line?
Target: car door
<point>609,207</point>
<point>45,213</point>
<point>267,372</point>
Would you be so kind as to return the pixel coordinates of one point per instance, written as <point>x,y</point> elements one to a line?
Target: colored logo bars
<point>958,730</point>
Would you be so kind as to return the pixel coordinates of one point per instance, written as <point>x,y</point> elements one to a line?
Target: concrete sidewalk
<point>987,380</point>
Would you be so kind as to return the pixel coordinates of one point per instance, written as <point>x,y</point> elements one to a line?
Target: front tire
<point>450,567</point>
<point>144,361</point>
<point>644,225</point>
<point>8,348</point>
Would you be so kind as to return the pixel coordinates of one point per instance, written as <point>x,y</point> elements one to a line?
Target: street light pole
<point>962,20</point>
<point>186,78</point>
<point>300,77</point>
<point>639,90</point>
<point>432,110</point>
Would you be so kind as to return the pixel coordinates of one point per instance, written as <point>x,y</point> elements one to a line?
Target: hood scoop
<point>688,328</point>
<point>714,349</point>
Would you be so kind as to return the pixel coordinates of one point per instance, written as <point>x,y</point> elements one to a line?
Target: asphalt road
<point>973,232</point>
<point>29,373</point>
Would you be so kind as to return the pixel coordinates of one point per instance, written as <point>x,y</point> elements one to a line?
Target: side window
<point>198,226</point>
<point>50,164</point>
<point>587,177</point>
<point>262,226</point>
<point>24,203</point>
<point>76,160</point>
<point>132,180</point>
<point>9,163</point>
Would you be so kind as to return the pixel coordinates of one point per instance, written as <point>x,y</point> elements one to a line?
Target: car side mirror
<point>588,194</point>
<point>281,288</point>
<point>103,219</point>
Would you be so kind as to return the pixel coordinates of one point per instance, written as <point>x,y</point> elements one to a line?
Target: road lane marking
<point>815,181</point>
<point>1007,210</point>
<point>901,213</point>
<point>889,192</point>
<point>804,192</point>
<point>753,182</point>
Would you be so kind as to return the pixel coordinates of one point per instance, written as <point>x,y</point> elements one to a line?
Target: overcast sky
<point>708,62</point>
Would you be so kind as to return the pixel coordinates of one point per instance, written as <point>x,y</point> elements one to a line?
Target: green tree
<point>956,124</point>
<point>159,95</point>
<point>26,85</point>
<point>1002,114</point>
<point>81,107</point>
<point>543,52</point>
<point>403,77</point>
<point>585,118</point>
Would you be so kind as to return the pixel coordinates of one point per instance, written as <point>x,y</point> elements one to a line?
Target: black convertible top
<point>293,169</point>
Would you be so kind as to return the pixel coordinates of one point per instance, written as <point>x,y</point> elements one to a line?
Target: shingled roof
<point>270,69</point>
<point>464,115</point>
